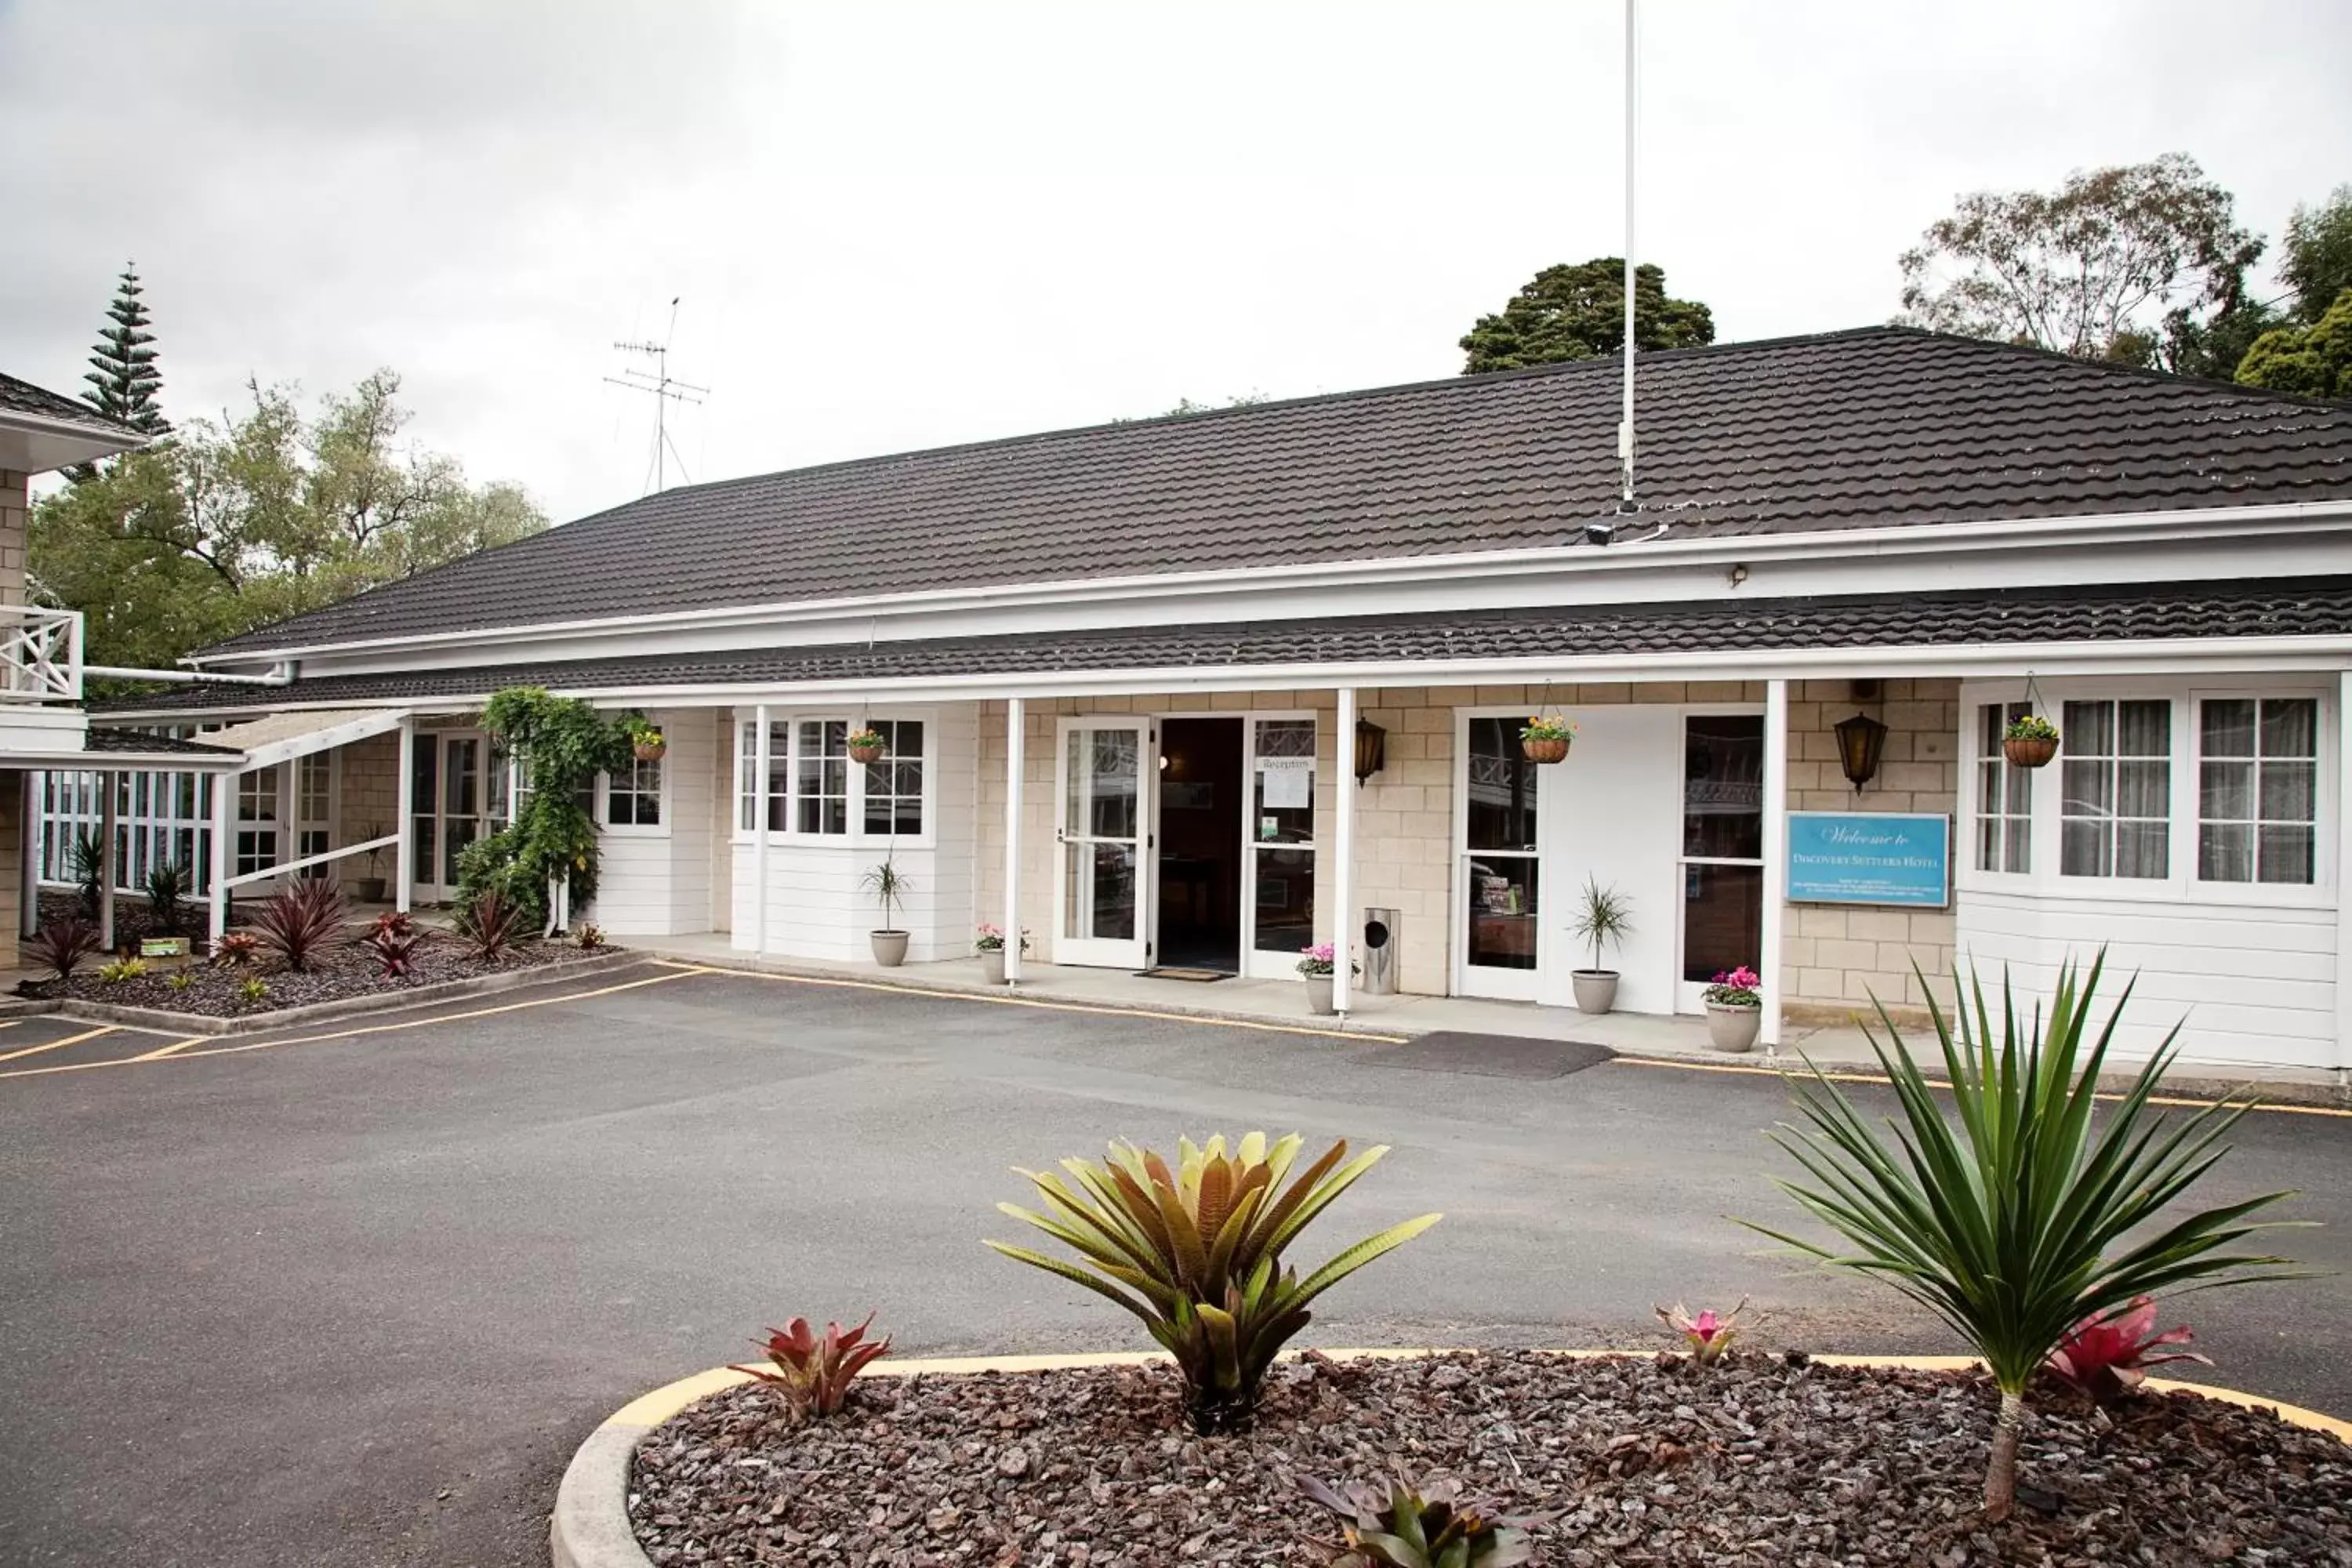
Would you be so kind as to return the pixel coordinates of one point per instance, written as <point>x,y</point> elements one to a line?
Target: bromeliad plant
<point>1400,1527</point>
<point>395,941</point>
<point>1196,1251</point>
<point>1709,1334</point>
<point>2024,1218</point>
<point>237,950</point>
<point>2108,1355</point>
<point>813,1373</point>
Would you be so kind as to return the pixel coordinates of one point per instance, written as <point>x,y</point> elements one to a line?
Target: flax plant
<point>2030,1214</point>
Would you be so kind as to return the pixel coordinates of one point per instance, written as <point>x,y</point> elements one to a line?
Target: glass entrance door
<point>1722,861</point>
<point>1103,833</point>
<point>448,791</point>
<point>1502,934</point>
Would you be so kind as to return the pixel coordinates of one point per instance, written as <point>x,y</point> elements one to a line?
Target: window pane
<point>2090,788</point>
<point>2145,729</point>
<point>894,784</point>
<point>2090,729</point>
<point>1722,920</point>
<point>2019,850</point>
<point>2229,726</point>
<point>2286,854</point>
<point>1286,899</point>
<point>2083,849</point>
<point>1282,806</point>
<point>780,775</point>
<point>2142,848</point>
<point>1500,787</point>
<point>2289,792</point>
<point>1502,908</point>
<point>1723,787</point>
<point>2143,789</point>
<point>2290,727</point>
<point>2226,790</point>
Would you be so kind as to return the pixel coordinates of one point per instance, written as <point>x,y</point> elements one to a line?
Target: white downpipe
<point>107,870</point>
<point>1016,738</point>
<point>28,858</point>
<point>763,758</point>
<point>1343,848</point>
<point>1625,429</point>
<point>224,806</point>
<point>404,868</point>
<point>2344,879</point>
<point>1768,963</point>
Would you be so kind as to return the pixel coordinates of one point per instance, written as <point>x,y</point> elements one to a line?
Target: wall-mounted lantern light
<point>1860,739</point>
<point>1371,749</point>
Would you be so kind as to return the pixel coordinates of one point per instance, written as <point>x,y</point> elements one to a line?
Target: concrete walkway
<point>1284,1002</point>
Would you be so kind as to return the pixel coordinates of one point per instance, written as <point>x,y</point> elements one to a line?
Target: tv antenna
<point>665,390</point>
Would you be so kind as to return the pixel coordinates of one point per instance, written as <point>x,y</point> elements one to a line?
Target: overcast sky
<point>895,228</point>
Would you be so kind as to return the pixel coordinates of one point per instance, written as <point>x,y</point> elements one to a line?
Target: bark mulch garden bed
<point>1759,1459</point>
<point>342,972</point>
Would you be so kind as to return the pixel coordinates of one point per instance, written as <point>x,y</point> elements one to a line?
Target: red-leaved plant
<point>2107,1356</point>
<point>61,944</point>
<point>813,1373</point>
<point>296,922</point>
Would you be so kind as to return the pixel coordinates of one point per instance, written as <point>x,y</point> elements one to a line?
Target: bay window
<point>2257,789</point>
<point>2115,806</point>
<point>813,789</point>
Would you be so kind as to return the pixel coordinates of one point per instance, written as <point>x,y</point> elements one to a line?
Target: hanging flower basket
<point>651,751</point>
<point>865,746</point>
<point>2030,743</point>
<point>1544,738</point>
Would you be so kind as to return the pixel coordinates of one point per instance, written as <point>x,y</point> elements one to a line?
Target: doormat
<point>1201,976</point>
<point>1492,1055</point>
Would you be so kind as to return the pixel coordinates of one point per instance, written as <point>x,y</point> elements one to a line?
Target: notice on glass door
<point>1288,783</point>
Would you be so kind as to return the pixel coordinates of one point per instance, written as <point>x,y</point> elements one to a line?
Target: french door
<point>1103,817</point>
<point>449,800</point>
<point>1722,861</point>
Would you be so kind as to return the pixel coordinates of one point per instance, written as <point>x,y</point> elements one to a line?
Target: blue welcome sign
<point>1861,858</point>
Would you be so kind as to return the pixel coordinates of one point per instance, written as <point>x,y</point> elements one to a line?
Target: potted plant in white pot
<point>1317,965</point>
<point>1604,917</point>
<point>369,889</point>
<point>1735,1009</point>
<point>890,886</point>
<point>990,944</point>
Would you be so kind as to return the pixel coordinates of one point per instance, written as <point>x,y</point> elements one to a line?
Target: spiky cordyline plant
<point>2012,1228</point>
<point>296,922</point>
<point>1196,1252</point>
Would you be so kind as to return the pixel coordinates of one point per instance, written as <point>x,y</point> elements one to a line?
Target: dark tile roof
<point>24,397</point>
<point>2304,607</point>
<point>113,738</point>
<point>1882,426</point>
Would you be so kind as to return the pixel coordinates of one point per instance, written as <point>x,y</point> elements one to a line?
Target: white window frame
<point>2182,886</point>
<point>635,830</point>
<point>786,758</point>
<point>1480,980</point>
<point>2323,843</point>
<point>1973,763</point>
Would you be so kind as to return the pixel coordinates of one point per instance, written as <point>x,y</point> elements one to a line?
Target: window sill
<point>2170,890</point>
<point>833,841</point>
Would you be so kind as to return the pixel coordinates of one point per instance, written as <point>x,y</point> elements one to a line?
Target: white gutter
<point>127,439</point>
<point>1886,540</point>
<point>281,676</point>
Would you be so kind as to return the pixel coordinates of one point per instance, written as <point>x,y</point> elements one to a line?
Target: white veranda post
<point>223,809</point>
<point>1343,850</point>
<point>1016,720</point>
<point>762,760</point>
<point>404,853</point>
<point>1768,963</point>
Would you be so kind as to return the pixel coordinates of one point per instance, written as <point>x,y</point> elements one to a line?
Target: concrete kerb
<point>167,1021</point>
<point>590,1527</point>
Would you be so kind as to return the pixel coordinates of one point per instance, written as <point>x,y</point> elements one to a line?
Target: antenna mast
<point>1625,428</point>
<point>665,390</point>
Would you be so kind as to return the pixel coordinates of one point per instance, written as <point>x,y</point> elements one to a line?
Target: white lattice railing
<point>40,654</point>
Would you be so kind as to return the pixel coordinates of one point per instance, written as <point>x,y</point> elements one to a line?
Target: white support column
<point>28,834</point>
<point>224,807</point>
<point>763,751</point>
<point>1016,725</point>
<point>1343,849</point>
<point>1768,963</point>
<point>403,854</point>
<point>2344,880</point>
<point>108,873</point>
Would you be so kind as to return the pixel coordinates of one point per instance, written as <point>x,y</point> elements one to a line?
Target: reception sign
<point>1858,858</point>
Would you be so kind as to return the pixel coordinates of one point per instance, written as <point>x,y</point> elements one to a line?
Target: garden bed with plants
<point>1753,1459</point>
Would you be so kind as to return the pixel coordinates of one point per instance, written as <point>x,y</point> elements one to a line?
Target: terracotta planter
<point>1545,751</point>
<point>1733,1029</point>
<point>991,965</point>
<point>1596,989</point>
<point>889,948</point>
<point>368,889</point>
<point>1318,995</point>
<point>865,753</point>
<point>2028,753</point>
<point>651,751</point>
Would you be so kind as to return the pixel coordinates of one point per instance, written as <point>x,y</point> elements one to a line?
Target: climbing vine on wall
<point>561,743</point>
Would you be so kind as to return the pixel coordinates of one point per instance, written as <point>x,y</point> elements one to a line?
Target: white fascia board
<point>1635,557</point>
<point>293,746</point>
<point>39,442</point>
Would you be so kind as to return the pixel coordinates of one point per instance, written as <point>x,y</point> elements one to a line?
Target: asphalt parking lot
<point>350,1295</point>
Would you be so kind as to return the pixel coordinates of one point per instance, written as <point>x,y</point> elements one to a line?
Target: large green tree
<point>126,386</point>
<point>2319,261</point>
<point>1578,313</point>
<point>262,514</point>
<point>2316,361</point>
<point>2142,263</point>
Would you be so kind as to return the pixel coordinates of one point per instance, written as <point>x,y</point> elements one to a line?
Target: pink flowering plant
<point>1320,959</point>
<point>991,938</point>
<point>2107,1354</point>
<point>1740,987</point>
<point>1709,1334</point>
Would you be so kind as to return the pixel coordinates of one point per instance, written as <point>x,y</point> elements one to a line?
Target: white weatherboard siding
<point>655,881</point>
<point>2250,985</point>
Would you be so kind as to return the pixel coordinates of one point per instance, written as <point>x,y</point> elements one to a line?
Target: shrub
<point>1196,1252</point>
<point>254,992</point>
<point>296,923</point>
<point>590,938</point>
<point>237,950</point>
<point>182,979</point>
<point>2012,1228</point>
<point>813,1374</point>
<point>562,744</point>
<point>89,870</point>
<point>167,897</point>
<point>1709,1335</point>
<point>1403,1527</point>
<point>394,940</point>
<point>120,972</point>
<point>60,946</point>
<point>490,927</point>
<point>391,922</point>
<point>2108,1355</point>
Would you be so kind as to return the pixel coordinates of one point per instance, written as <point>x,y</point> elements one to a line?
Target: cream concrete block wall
<point>14,511</point>
<point>12,850</point>
<point>1835,960</point>
<point>367,798</point>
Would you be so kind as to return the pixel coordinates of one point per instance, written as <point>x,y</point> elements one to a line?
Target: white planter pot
<point>1733,1029</point>
<point>991,965</point>
<point>1318,995</point>
<point>889,948</point>
<point>1596,989</point>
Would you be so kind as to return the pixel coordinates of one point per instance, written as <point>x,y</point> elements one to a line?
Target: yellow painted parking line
<point>181,1051</point>
<point>1111,1008</point>
<point>59,1045</point>
<point>1793,1066</point>
<point>174,1047</point>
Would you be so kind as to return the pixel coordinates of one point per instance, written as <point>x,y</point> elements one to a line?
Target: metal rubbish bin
<point>1379,948</point>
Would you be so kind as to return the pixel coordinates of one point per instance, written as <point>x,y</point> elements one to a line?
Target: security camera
<point>1600,532</point>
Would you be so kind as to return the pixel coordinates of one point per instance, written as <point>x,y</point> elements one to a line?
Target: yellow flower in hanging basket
<point>1544,738</point>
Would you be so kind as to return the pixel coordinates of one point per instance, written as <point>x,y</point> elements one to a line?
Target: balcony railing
<point>40,654</point>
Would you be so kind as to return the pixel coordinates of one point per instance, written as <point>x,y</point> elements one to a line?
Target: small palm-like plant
<point>167,897</point>
<point>89,870</point>
<point>1401,1527</point>
<point>491,926</point>
<point>1196,1251</point>
<point>2015,1226</point>
<point>296,923</point>
<point>813,1373</point>
<point>1603,916</point>
<point>890,886</point>
<point>61,945</point>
